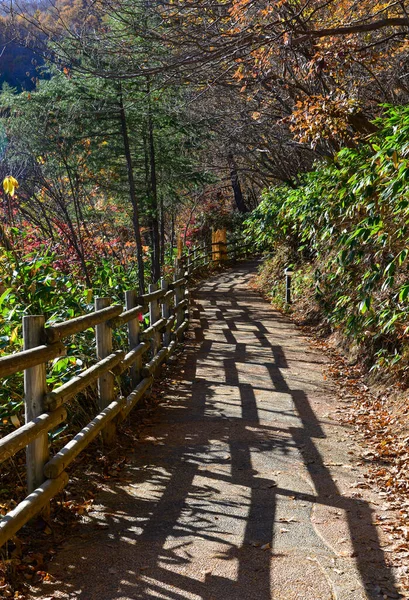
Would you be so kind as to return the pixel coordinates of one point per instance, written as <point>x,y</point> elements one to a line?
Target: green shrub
<point>31,284</point>
<point>349,218</point>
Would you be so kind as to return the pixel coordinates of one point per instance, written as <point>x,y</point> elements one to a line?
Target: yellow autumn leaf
<point>15,420</point>
<point>14,335</point>
<point>10,184</point>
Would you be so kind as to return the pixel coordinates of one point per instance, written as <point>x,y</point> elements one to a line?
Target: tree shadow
<point>218,502</point>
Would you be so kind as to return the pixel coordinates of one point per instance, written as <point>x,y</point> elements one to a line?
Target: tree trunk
<point>154,193</point>
<point>162,232</point>
<point>172,235</point>
<point>132,195</point>
<point>235,183</point>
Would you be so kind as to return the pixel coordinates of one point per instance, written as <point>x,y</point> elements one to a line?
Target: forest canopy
<point>145,122</point>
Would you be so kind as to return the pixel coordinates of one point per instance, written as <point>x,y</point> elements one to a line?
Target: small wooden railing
<point>165,308</point>
<point>217,253</point>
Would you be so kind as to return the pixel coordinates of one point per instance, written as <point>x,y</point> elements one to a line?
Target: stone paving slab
<point>244,486</point>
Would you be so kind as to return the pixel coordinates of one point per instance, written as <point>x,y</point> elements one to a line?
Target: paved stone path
<point>244,488</point>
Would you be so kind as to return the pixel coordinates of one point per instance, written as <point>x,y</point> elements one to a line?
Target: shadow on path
<point>223,489</point>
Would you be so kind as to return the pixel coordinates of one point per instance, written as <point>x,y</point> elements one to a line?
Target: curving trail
<point>244,487</point>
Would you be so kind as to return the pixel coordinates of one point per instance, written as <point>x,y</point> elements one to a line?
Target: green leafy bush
<point>31,284</point>
<point>350,218</point>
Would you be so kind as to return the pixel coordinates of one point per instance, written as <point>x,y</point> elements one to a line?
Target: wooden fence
<point>167,304</point>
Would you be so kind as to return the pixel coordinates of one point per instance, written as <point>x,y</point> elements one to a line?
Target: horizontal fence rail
<point>165,307</point>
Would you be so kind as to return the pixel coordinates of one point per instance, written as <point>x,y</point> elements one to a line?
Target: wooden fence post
<point>179,267</point>
<point>131,300</point>
<point>154,315</point>
<point>180,312</point>
<point>213,248</point>
<point>189,261</point>
<point>186,296</point>
<point>222,234</point>
<point>106,383</point>
<point>219,246</point>
<point>165,313</point>
<point>179,246</point>
<point>35,389</point>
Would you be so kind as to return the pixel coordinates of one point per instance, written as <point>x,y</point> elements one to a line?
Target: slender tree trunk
<point>172,234</point>
<point>235,183</point>
<point>154,192</point>
<point>132,194</point>
<point>162,232</point>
